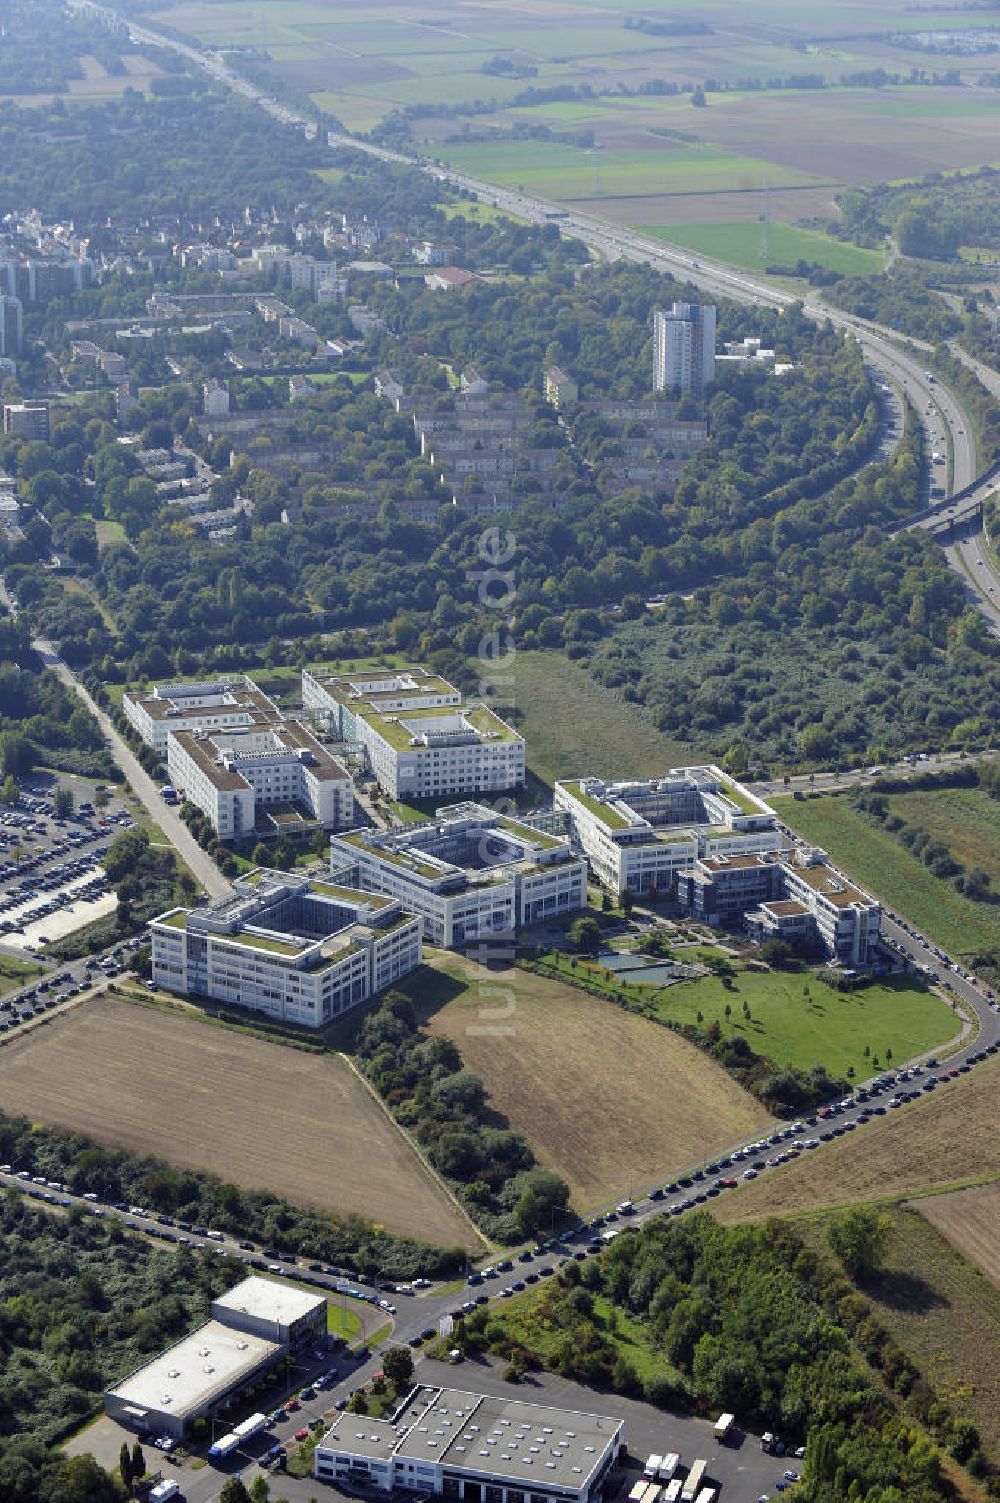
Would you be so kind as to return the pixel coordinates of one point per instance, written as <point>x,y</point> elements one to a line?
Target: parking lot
<point>51,876</point>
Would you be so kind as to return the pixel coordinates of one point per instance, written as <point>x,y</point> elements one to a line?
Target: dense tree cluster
<point>749,1319</point>
<point>116,1175</point>
<point>931,218</point>
<point>81,1303</point>
<point>492,1169</point>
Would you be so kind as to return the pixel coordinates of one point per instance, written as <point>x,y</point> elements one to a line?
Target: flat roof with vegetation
<point>598,807</point>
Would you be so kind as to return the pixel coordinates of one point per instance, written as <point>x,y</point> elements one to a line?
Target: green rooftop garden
<point>265,942</point>
<point>525,832</point>
<point>176,920</point>
<point>743,802</point>
<point>598,808</point>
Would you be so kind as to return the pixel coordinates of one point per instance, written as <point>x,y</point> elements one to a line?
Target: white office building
<point>473,1446</point>
<point>263,780</point>
<point>298,950</point>
<point>469,873</point>
<point>638,836</point>
<point>420,741</point>
<point>684,343</point>
<point>212,705</point>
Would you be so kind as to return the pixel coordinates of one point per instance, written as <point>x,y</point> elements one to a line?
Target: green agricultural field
<point>752,246</point>
<point>875,858</point>
<point>566,173</point>
<point>573,726</point>
<point>824,1027</point>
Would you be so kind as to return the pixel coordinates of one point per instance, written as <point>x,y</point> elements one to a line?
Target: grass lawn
<point>966,820</point>
<point>875,858</point>
<point>827,1027</point>
<point>343,1319</point>
<point>524,1318</point>
<point>14,973</point>
<point>574,727</point>
<point>744,244</point>
<point>479,212</point>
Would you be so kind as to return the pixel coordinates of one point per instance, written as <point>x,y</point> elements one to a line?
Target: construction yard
<point>264,1116</point>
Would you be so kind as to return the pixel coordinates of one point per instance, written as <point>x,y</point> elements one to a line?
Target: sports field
<point>262,1115</point>
<point>609,1100</point>
<point>946,1138</point>
<point>573,725</point>
<point>797,1020</point>
<point>875,858</point>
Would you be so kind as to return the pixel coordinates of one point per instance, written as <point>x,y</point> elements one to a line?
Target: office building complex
<point>420,741</point>
<point>298,950</point>
<point>639,836</point>
<point>261,780</point>
<point>252,1328</point>
<point>469,873</point>
<point>474,1446</point>
<point>684,345</point>
<point>221,704</point>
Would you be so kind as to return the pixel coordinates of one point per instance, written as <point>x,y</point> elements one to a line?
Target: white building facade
<point>209,705</point>
<point>237,776</point>
<point>296,950</point>
<point>468,874</point>
<point>684,345</point>
<point>638,836</point>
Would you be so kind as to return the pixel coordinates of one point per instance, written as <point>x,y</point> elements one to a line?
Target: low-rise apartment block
<point>420,740</point>
<point>209,705</point>
<point>263,780</point>
<point>468,874</point>
<point>639,836</point>
<point>298,950</point>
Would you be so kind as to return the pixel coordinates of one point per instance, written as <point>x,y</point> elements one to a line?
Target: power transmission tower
<point>765,226</point>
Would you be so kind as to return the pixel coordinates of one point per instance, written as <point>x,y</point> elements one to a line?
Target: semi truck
<point>223,1447</point>
<point>724,1427</point>
<point>672,1491</point>
<point>693,1481</point>
<point>252,1426</point>
<point>668,1466</point>
<point>653,1464</point>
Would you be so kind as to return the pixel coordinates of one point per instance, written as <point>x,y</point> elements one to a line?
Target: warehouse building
<point>273,1311</point>
<point>298,950</point>
<point>474,1446</point>
<point>420,741</point>
<point>220,1361</point>
<point>468,873</point>
<point>639,836</point>
<point>263,781</point>
<point>214,705</point>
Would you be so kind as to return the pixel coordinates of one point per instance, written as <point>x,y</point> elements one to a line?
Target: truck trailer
<point>724,1426</point>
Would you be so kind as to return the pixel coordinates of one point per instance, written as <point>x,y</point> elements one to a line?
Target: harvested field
<point>261,1115</point>
<point>945,1139</point>
<point>946,1315</point>
<point>609,1100</point>
<point>970,1219</point>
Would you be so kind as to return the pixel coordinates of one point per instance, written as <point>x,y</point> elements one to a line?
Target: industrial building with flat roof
<point>222,1359</point>
<point>210,705</point>
<point>274,1311</point>
<point>468,873</point>
<point>474,1446</point>
<point>298,950</point>
<point>420,741</point>
<point>639,835</point>
<point>261,781</point>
